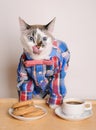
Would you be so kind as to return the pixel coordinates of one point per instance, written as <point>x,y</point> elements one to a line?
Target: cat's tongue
<point>36,50</point>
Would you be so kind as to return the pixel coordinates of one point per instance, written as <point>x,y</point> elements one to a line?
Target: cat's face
<point>37,39</point>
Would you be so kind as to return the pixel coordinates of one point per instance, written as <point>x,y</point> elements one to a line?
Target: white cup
<point>75,106</point>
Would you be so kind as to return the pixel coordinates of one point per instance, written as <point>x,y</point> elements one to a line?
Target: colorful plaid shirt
<point>34,75</point>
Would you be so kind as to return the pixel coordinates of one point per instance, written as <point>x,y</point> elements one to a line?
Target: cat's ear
<point>50,25</point>
<point>23,25</point>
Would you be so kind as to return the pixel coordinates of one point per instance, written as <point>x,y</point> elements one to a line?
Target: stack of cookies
<point>26,109</point>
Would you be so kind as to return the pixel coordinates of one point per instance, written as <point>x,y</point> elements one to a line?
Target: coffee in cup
<point>75,106</point>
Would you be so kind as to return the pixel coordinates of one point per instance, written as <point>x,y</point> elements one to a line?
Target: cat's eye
<point>31,38</point>
<point>44,38</point>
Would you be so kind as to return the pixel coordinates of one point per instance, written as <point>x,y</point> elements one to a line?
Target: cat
<point>43,64</point>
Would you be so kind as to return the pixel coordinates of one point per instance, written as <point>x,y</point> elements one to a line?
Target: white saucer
<point>10,111</point>
<point>83,116</point>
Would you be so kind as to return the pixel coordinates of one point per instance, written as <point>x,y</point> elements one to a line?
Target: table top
<point>50,122</point>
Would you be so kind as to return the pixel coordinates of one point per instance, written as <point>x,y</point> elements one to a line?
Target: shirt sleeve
<point>65,64</point>
<point>21,71</point>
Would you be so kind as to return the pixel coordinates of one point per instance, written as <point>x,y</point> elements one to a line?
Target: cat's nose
<point>39,43</point>
<point>37,46</point>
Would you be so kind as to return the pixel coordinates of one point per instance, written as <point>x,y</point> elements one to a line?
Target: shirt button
<point>40,72</point>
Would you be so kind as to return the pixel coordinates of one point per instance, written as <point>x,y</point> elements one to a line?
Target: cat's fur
<point>38,32</point>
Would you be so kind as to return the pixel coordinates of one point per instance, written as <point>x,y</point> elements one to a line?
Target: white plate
<point>10,111</point>
<point>83,116</point>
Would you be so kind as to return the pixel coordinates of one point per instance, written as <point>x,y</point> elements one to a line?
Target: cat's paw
<point>53,106</point>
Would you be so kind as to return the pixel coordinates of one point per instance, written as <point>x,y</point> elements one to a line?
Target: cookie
<point>23,103</point>
<point>20,112</point>
<point>37,112</point>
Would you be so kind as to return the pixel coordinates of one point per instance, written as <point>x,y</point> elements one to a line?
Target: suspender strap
<point>30,63</point>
